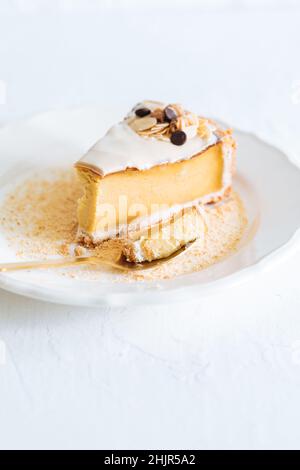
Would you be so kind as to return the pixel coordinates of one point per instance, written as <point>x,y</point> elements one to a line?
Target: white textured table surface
<point>217,372</point>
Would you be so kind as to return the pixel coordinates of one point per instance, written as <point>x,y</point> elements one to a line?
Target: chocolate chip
<point>142,112</point>
<point>170,114</point>
<point>178,138</point>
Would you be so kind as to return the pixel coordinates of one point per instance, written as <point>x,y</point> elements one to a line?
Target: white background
<point>217,372</point>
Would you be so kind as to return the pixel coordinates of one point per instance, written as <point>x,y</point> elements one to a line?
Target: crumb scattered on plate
<point>39,220</point>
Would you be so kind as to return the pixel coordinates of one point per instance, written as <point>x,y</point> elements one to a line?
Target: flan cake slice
<point>159,160</point>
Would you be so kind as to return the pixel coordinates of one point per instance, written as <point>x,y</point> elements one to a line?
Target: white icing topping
<point>123,148</point>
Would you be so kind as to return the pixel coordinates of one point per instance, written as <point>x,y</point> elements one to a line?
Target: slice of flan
<point>161,159</point>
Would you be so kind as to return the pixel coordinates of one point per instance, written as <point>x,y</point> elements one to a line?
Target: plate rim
<point>279,254</point>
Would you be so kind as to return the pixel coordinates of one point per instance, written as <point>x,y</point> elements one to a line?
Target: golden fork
<point>120,264</point>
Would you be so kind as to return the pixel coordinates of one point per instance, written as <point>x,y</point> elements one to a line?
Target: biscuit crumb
<point>40,217</point>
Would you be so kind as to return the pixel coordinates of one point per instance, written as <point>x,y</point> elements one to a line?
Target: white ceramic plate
<point>267,180</point>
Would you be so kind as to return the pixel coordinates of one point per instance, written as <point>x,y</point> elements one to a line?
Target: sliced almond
<point>181,123</point>
<point>160,127</point>
<point>155,130</point>
<point>141,124</point>
<point>177,108</point>
<point>151,104</point>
